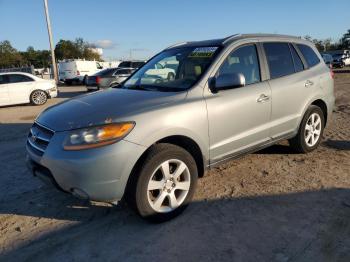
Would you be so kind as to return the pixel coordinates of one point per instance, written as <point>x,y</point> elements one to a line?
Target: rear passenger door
<point>291,86</point>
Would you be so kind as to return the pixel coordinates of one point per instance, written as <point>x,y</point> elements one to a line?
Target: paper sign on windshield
<point>202,52</point>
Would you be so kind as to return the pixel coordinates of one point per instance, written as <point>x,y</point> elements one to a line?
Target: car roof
<point>230,39</point>
<point>17,73</point>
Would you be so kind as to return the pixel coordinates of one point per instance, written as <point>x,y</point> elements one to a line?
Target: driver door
<point>239,117</point>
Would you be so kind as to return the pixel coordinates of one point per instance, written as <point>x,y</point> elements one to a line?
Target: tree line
<point>325,45</point>
<point>64,49</point>
<point>67,49</point>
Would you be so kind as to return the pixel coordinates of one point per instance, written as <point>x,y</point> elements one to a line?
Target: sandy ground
<point>272,205</point>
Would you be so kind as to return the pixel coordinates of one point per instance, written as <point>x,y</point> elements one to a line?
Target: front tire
<point>164,183</point>
<point>310,131</point>
<point>171,76</point>
<point>38,97</point>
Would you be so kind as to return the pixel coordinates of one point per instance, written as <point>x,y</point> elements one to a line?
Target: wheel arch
<point>317,101</point>
<point>322,104</point>
<point>190,146</point>
<point>182,141</point>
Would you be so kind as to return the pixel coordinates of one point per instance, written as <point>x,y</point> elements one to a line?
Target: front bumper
<point>53,94</point>
<point>99,174</point>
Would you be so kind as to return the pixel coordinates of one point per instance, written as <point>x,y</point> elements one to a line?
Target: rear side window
<point>123,72</point>
<point>105,72</point>
<point>298,64</point>
<point>125,64</point>
<point>19,78</point>
<point>3,79</point>
<point>309,55</point>
<point>137,64</point>
<point>279,59</point>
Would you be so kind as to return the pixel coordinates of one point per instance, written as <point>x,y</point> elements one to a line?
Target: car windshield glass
<point>173,70</point>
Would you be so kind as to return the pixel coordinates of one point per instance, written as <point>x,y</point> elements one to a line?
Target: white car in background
<point>21,88</point>
<point>161,71</point>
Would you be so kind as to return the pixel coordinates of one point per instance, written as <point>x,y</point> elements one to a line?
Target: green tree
<point>345,40</point>
<point>67,49</point>
<point>9,56</point>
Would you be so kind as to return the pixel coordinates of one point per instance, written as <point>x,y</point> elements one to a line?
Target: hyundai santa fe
<point>150,139</point>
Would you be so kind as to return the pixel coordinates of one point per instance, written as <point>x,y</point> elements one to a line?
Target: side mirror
<point>227,81</point>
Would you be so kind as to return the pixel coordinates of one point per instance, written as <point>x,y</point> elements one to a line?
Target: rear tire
<point>163,185</point>
<point>310,131</point>
<point>38,97</point>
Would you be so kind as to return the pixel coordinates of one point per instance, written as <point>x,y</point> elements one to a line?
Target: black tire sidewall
<point>301,137</point>
<point>151,163</point>
<point>171,76</point>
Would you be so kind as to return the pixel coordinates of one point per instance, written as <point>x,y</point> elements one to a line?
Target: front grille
<point>39,138</point>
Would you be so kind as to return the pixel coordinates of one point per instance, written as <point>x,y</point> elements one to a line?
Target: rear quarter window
<point>309,55</point>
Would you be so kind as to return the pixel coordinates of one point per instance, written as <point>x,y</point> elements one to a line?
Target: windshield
<point>173,70</point>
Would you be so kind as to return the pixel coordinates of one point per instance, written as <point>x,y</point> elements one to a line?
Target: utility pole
<point>54,67</point>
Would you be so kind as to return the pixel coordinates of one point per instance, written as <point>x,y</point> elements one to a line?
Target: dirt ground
<point>272,205</point>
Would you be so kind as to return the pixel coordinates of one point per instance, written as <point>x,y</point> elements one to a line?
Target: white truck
<point>76,71</point>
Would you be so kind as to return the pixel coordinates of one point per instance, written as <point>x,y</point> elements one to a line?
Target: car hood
<point>107,106</point>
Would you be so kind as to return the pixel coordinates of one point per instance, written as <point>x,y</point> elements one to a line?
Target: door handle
<point>308,83</point>
<point>262,98</point>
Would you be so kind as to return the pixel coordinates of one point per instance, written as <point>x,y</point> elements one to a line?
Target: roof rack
<point>231,37</point>
<point>177,44</point>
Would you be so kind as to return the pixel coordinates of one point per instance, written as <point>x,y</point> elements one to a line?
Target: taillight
<point>332,73</point>
<point>98,79</point>
<point>78,73</point>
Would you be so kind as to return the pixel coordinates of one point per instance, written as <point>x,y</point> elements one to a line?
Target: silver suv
<point>150,139</point>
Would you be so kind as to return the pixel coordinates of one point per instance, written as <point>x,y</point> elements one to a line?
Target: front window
<point>243,60</point>
<point>173,70</point>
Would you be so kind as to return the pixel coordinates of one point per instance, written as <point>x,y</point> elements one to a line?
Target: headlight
<point>97,136</point>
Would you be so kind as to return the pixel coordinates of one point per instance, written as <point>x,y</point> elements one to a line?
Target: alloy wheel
<point>39,97</point>
<point>313,129</point>
<point>168,186</point>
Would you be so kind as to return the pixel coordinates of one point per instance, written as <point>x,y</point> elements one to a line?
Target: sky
<point>145,27</point>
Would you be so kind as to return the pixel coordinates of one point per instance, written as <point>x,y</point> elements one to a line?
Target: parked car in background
<point>161,71</point>
<point>131,64</point>
<point>76,71</point>
<point>328,59</point>
<point>21,88</point>
<point>149,143</point>
<point>341,58</point>
<point>108,78</point>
